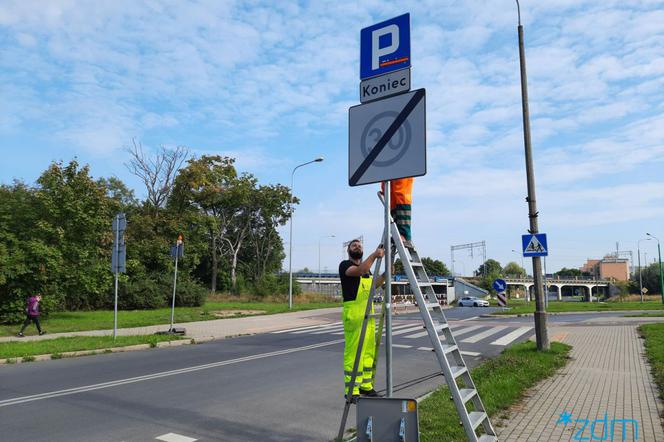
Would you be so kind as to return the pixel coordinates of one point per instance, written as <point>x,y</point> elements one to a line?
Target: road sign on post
<point>534,245</point>
<point>387,139</point>
<point>118,260</point>
<point>385,47</point>
<point>499,285</point>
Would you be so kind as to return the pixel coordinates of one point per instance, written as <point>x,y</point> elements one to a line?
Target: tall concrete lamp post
<point>661,277</point>
<point>638,254</point>
<point>319,271</point>
<point>290,239</point>
<point>541,333</point>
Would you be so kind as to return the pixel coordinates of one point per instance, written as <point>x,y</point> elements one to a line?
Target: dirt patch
<point>236,313</point>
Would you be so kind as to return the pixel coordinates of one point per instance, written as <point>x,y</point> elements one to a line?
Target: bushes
<point>155,292</point>
<point>272,284</point>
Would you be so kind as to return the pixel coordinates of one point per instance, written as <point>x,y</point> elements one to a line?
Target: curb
<point>137,347</point>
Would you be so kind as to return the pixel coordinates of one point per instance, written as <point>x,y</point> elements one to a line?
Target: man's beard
<point>355,255</point>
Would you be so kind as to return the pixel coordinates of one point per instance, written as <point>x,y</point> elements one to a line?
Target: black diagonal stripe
<point>387,136</point>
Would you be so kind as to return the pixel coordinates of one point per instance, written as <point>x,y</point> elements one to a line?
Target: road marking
<point>468,319</point>
<point>508,338</point>
<point>302,328</point>
<point>328,330</point>
<point>393,328</point>
<point>323,328</point>
<point>484,334</point>
<point>407,330</point>
<point>402,346</point>
<point>174,437</point>
<point>116,383</point>
<point>454,332</point>
<point>465,353</point>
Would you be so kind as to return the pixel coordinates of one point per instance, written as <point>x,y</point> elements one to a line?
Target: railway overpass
<point>587,286</point>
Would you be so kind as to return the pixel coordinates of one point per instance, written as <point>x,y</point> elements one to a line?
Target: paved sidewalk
<point>218,328</point>
<point>608,376</point>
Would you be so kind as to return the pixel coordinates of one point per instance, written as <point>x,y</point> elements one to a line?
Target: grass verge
<point>55,347</point>
<point>654,343</point>
<point>646,315</point>
<point>59,322</point>
<point>501,382</point>
<point>562,306</point>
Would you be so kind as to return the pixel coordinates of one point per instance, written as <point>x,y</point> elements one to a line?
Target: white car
<point>472,301</point>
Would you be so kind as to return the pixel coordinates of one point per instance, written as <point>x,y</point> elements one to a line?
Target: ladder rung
<point>374,315</point>
<point>476,418</point>
<point>487,438</point>
<point>416,264</point>
<point>458,370</point>
<point>424,283</point>
<point>432,305</point>
<point>467,394</point>
<point>448,348</point>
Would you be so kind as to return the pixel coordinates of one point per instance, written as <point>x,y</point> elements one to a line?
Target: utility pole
<point>541,334</point>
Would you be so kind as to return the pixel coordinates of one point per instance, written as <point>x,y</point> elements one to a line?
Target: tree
<point>434,267</point>
<point>74,216</point>
<point>274,206</point>
<point>490,266</point>
<point>514,270</point>
<point>568,273</point>
<point>157,172</point>
<point>202,186</point>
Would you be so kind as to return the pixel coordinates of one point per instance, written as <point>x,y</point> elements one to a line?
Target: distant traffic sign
<point>499,285</point>
<point>534,245</point>
<point>385,47</point>
<point>387,139</point>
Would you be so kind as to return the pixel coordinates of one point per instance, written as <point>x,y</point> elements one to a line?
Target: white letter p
<point>376,51</point>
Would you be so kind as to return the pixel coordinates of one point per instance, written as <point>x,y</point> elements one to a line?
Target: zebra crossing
<point>469,334</point>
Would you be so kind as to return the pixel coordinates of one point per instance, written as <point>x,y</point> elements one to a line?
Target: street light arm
<point>518,10</point>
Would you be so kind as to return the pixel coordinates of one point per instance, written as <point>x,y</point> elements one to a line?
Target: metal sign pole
<point>388,293</point>
<point>175,283</point>
<point>116,270</point>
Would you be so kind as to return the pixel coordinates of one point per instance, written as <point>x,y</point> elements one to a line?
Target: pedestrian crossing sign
<point>534,245</point>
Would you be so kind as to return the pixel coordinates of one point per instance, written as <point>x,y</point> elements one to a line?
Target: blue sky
<point>270,83</point>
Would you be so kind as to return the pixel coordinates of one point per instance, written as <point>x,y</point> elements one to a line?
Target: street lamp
<point>319,272</point>
<point>290,240</point>
<point>638,253</point>
<point>661,278</point>
<point>522,265</point>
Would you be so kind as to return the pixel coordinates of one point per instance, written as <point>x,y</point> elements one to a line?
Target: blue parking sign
<point>385,47</point>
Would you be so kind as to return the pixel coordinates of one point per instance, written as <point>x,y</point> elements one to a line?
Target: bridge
<point>586,284</point>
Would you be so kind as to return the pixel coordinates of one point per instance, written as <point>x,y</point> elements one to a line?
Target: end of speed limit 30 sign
<point>387,139</point>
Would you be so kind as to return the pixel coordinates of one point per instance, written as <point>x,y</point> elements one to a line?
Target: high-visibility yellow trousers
<point>353,316</point>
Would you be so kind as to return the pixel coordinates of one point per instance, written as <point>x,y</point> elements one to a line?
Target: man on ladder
<point>356,280</point>
<point>401,200</point>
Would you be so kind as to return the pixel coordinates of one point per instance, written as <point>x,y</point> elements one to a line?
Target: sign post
<point>177,251</point>
<point>387,132</point>
<point>118,261</point>
<point>500,286</point>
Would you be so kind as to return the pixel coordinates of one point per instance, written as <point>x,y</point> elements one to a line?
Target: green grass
<point>501,383</point>
<point>561,306</point>
<point>646,315</point>
<point>55,347</point>
<point>59,322</point>
<point>654,343</point>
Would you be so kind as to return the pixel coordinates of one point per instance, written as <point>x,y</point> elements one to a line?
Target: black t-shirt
<point>349,284</point>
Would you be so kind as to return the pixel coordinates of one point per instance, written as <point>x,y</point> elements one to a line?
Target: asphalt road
<point>281,386</point>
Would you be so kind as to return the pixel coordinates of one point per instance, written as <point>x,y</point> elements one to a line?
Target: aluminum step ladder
<point>476,421</point>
